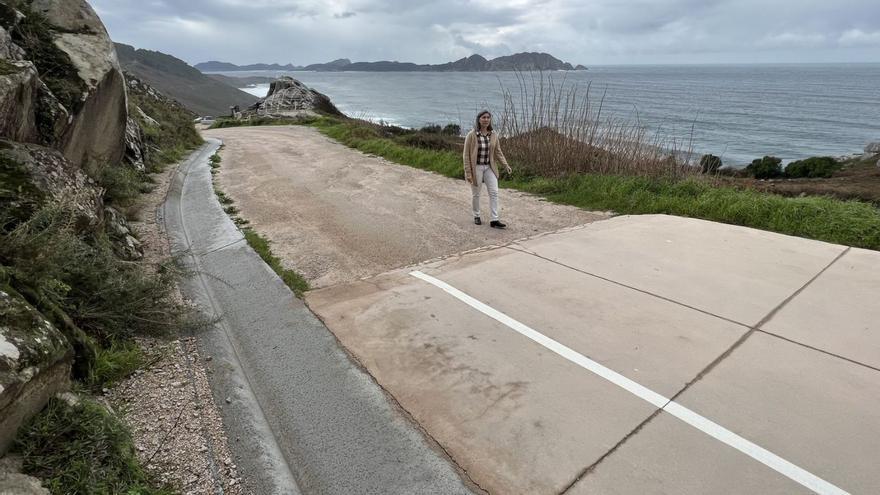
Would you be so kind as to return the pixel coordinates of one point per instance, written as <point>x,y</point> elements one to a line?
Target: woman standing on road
<point>481,152</point>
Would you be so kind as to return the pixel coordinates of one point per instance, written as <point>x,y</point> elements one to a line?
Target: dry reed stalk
<point>554,129</point>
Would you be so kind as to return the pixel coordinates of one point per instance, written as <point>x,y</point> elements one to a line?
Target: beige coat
<point>469,155</point>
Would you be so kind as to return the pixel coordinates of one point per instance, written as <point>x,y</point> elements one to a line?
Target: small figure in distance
<point>482,152</point>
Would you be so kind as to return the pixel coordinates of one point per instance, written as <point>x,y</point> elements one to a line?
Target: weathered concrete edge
<point>272,467</point>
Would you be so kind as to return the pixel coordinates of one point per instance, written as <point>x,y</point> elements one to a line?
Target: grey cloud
<point>429,31</point>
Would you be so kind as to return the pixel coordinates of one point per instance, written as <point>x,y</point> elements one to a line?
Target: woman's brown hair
<point>477,122</point>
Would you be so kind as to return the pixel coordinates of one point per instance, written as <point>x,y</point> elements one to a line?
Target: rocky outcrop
<point>125,243</point>
<point>35,363</point>
<point>135,147</point>
<point>96,134</point>
<point>872,148</point>
<point>289,97</point>
<point>8,49</point>
<point>13,481</point>
<point>50,177</point>
<point>63,116</point>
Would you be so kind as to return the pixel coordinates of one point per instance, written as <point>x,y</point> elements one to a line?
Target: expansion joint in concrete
<point>823,351</point>
<point>756,327</point>
<point>589,469</point>
<point>620,284</point>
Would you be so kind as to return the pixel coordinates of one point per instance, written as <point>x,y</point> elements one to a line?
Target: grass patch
<point>852,223</point>
<point>82,449</point>
<point>115,362</point>
<point>123,184</point>
<point>367,139</point>
<point>172,134</point>
<point>75,278</point>
<point>297,283</point>
<point>222,123</point>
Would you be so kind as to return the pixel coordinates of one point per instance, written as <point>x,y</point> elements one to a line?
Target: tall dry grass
<point>554,129</point>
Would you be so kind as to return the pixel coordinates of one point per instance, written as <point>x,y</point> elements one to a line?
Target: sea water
<point>739,112</point>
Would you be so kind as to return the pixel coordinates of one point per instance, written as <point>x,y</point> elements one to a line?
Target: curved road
<point>301,416</point>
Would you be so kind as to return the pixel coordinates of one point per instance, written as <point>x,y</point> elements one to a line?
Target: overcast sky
<point>589,32</point>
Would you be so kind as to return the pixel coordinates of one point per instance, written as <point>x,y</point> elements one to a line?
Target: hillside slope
<point>173,77</point>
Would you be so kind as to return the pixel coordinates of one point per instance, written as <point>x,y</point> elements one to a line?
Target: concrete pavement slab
<point>839,312</point>
<point>734,272</point>
<point>669,457</point>
<point>818,411</point>
<point>515,416</point>
<point>657,343</point>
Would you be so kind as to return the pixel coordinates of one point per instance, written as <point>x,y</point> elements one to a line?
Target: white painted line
<point>764,456</point>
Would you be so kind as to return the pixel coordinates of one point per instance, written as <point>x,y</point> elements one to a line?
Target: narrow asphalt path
<point>301,416</point>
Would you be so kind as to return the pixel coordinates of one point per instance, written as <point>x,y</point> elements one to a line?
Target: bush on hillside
<point>452,130</point>
<point>431,129</point>
<point>768,167</point>
<point>815,167</point>
<point>430,141</point>
<point>709,164</point>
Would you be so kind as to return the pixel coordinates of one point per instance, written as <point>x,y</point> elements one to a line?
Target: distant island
<point>474,63</point>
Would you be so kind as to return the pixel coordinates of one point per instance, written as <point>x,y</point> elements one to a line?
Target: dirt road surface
<point>337,215</point>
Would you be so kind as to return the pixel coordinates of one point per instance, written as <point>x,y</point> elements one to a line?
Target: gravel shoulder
<point>176,426</point>
<point>336,215</point>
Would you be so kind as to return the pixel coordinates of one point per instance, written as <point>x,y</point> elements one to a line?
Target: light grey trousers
<point>484,175</point>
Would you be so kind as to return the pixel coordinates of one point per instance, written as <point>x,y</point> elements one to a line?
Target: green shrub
<point>429,141</point>
<point>709,164</point>
<point>122,184</point>
<point>815,167</point>
<point>452,130</point>
<point>768,167</point>
<point>431,129</point>
<point>82,449</point>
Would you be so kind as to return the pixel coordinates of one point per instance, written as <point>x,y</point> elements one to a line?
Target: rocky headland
<point>288,97</point>
<point>526,61</point>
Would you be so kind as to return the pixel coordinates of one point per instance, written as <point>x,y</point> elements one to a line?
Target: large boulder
<point>96,134</point>
<point>289,97</point>
<point>872,148</point>
<point>35,363</point>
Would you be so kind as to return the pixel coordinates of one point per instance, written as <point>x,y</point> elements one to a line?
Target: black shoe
<point>478,221</point>
<point>496,224</point>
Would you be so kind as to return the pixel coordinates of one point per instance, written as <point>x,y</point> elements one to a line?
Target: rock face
<point>35,362</point>
<point>12,481</point>
<point>49,174</point>
<point>96,135</point>
<point>63,115</point>
<point>288,97</point>
<point>873,148</point>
